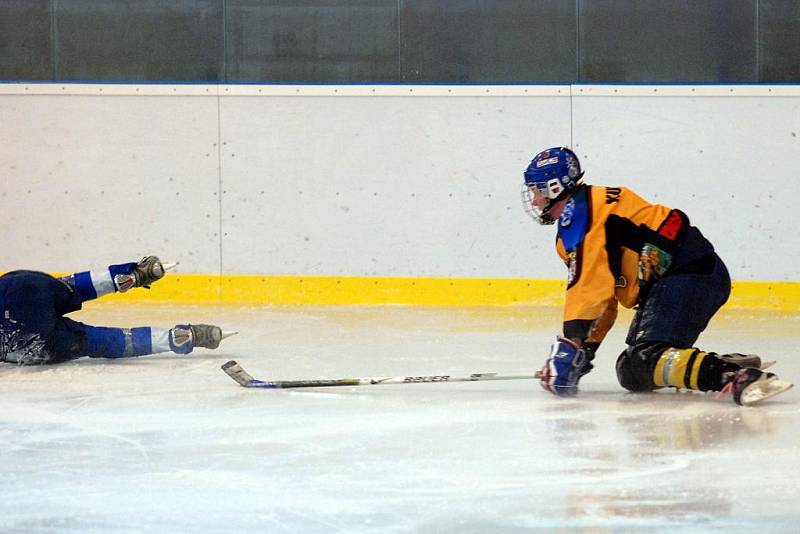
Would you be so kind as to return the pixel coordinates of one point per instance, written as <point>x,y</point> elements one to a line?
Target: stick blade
<point>235,371</point>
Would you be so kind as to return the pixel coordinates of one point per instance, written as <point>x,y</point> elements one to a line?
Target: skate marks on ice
<point>170,443</point>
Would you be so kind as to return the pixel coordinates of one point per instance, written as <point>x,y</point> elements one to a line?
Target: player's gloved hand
<point>564,368</point>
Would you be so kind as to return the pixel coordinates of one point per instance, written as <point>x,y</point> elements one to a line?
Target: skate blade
<point>168,266</point>
<point>227,333</point>
<point>764,390</point>
<point>766,364</point>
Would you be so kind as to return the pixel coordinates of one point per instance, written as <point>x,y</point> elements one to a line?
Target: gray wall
<point>472,41</point>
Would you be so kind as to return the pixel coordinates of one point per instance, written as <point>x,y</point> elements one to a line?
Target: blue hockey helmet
<point>552,175</point>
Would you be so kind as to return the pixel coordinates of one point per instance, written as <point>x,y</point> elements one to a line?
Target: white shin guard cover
<point>159,337</point>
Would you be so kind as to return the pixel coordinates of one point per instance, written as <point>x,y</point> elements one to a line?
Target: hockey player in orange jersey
<point>621,249</point>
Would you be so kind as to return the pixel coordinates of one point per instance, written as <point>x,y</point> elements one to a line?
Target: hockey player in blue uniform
<point>33,329</point>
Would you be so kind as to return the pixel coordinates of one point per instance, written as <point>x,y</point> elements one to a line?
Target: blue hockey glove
<point>564,368</point>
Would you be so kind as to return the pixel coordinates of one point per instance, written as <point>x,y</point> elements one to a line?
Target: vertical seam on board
<point>219,140</point>
<point>219,184</point>
<point>571,121</point>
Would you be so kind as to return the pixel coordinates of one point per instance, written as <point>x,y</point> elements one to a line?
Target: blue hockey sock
<point>105,342</point>
<point>93,284</point>
<point>180,339</point>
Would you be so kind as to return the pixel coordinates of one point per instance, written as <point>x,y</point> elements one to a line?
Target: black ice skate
<point>208,335</point>
<point>149,269</point>
<point>185,337</point>
<point>746,360</point>
<point>749,386</point>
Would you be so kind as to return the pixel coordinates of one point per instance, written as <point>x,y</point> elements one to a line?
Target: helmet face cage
<point>537,213</point>
<point>552,175</point>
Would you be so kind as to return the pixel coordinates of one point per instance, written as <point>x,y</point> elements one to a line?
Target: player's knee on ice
<point>636,364</point>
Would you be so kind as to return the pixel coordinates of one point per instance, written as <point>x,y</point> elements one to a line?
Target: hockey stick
<point>235,371</point>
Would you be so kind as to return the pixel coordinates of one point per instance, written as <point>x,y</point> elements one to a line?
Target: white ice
<point>171,444</point>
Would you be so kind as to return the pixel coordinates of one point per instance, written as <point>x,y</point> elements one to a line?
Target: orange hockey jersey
<point>615,245</point>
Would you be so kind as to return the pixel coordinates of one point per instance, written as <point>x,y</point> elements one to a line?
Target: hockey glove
<point>564,368</point>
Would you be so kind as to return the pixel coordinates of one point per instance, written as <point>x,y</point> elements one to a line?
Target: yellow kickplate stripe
<point>781,296</point>
<point>343,290</point>
<point>352,290</point>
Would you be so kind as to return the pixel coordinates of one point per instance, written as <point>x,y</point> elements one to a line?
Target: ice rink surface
<point>171,444</point>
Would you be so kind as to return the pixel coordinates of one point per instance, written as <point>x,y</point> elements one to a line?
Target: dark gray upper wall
<point>312,40</point>
<point>668,41</point>
<point>414,41</point>
<point>779,40</point>
<point>25,44</point>
<point>482,42</point>
<point>146,40</point>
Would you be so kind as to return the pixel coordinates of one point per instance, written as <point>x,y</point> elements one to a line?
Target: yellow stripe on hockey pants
<point>679,368</point>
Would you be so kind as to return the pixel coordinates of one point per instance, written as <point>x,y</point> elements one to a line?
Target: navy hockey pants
<point>675,311</point>
<point>32,328</point>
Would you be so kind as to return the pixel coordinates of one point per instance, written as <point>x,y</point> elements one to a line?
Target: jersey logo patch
<point>572,273</point>
<point>566,216</point>
<point>671,226</point>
